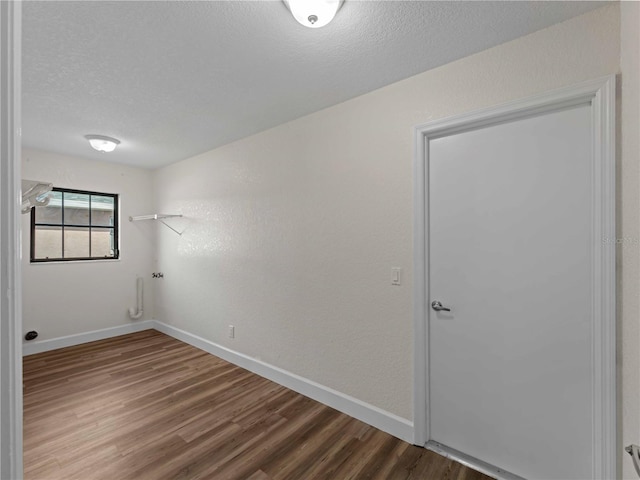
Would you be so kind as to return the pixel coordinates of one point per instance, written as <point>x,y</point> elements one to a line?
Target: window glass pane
<point>102,211</point>
<point>52,213</point>
<point>76,242</point>
<point>75,226</point>
<point>102,242</point>
<point>48,242</point>
<point>76,209</point>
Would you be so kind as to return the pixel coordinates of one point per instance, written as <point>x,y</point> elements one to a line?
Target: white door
<point>510,253</point>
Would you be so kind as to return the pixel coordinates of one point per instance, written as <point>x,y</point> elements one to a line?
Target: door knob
<point>437,306</point>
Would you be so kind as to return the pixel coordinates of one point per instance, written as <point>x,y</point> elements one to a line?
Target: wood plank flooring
<point>147,406</point>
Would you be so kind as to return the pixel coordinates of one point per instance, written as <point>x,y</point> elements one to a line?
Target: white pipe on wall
<point>132,312</point>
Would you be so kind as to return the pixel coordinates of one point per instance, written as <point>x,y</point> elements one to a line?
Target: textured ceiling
<point>174,79</point>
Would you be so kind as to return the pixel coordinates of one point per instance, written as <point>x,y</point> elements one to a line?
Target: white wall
<point>629,232</point>
<point>61,299</point>
<point>291,234</point>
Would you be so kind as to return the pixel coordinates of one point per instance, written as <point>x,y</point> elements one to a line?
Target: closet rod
<point>159,217</point>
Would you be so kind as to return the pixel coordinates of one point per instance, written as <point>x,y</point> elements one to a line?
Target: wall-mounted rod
<point>153,216</point>
<point>159,217</point>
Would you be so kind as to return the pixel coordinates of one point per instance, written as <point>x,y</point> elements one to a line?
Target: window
<point>75,225</point>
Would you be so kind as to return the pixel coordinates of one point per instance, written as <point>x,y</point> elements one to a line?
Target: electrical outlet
<point>232,331</point>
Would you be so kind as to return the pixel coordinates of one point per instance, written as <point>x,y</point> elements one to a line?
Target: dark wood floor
<point>147,406</point>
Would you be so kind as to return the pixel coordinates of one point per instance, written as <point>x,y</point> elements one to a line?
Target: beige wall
<point>61,299</point>
<point>291,234</point>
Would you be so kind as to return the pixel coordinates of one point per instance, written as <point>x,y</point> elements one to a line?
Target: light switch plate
<point>396,276</point>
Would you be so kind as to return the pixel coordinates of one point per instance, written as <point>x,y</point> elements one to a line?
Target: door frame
<point>600,93</point>
<point>10,241</point>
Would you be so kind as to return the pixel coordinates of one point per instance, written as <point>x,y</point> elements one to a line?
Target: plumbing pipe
<point>132,313</point>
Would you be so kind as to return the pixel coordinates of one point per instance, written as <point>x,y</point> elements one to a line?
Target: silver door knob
<point>437,306</point>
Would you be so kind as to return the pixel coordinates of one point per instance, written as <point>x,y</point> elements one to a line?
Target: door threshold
<point>471,462</point>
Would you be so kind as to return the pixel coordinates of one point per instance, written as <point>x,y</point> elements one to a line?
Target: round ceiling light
<point>313,13</point>
<point>102,143</point>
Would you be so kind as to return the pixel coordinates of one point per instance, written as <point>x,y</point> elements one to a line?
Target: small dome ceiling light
<point>102,143</point>
<point>313,13</point>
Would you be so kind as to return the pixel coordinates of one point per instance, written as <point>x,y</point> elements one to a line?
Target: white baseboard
<point>374,416</point>
<point>29,348</point>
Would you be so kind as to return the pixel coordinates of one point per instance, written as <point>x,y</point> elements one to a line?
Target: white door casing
<point>10,221</point>
<point>598,182</point>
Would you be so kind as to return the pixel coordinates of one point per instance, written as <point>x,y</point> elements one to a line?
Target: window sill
<point>72,262</point>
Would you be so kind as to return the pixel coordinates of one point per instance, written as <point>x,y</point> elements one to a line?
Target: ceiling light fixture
<point>313,13</point>
<point>102,143</point>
